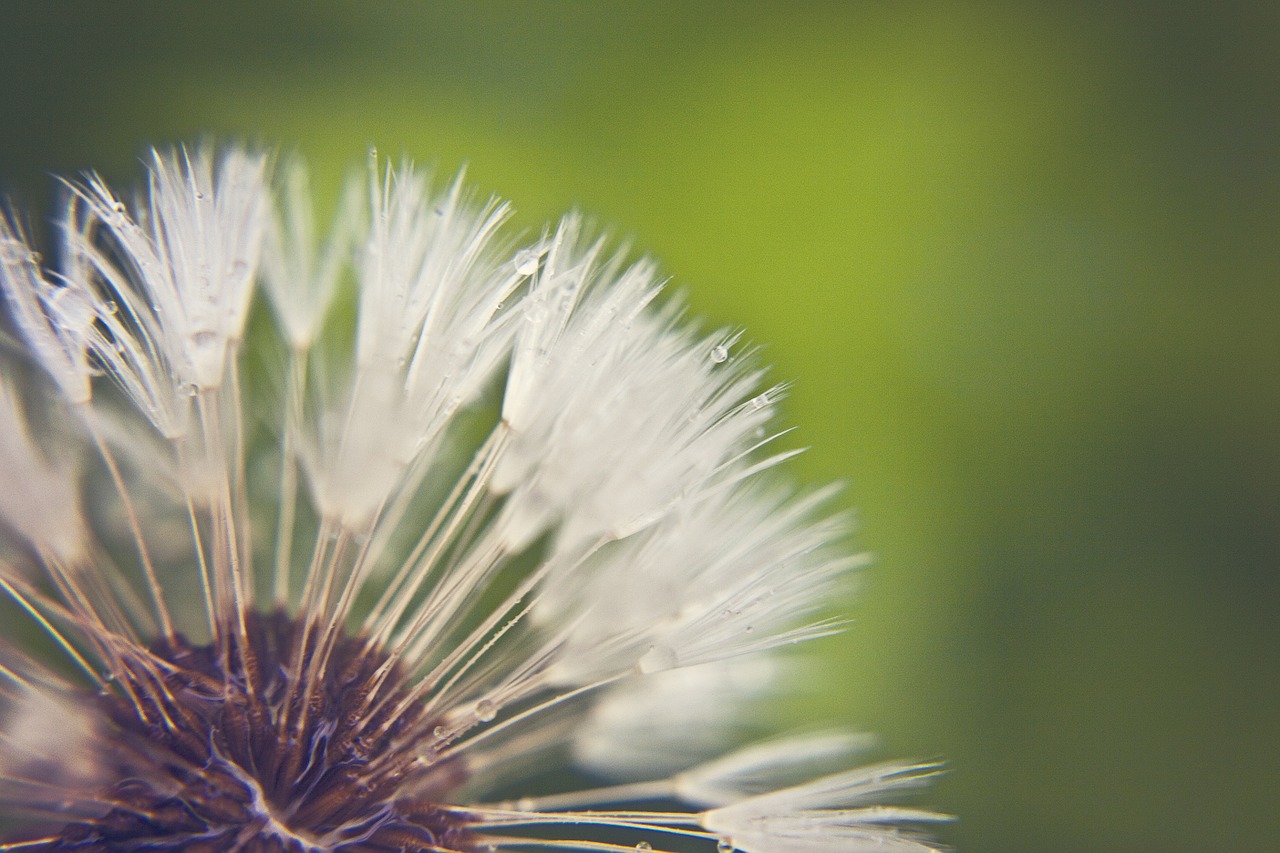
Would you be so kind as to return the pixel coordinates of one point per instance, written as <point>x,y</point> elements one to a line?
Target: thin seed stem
<point>203,564</point>
<point>238,507</point>
<point>456,505</point>
<point>226,549</point>
<point>294,384</point>
<point>632,791</point>
<point>53,632</point>
<point>524,715</point>
<point>135,526</point>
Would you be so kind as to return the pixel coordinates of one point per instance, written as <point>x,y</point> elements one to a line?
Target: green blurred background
<point>1022,260</point>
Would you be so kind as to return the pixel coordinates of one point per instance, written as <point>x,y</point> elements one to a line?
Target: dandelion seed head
<point>523,516</point>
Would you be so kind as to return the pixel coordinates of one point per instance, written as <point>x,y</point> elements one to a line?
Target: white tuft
<point>430,334</point>
<point>616,413</point>
<point>300,273</point>
<point>40,498</point>
<point>183,267</point>
<point>649,727</point>
<point>47,735</point>
<point>768,766</point>
<point>829,815</point>
<point>740,572</point>
<point>54,319</point>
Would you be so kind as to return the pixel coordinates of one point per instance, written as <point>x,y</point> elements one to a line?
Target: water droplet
<point>34,257</point>
<point>439,732</point>
<point>724,845</point>
<point>535,313</point>
<point>759,401</point>
<point>719,353</point>
<point>659,657</point>
<point>486,711</point>
<point>110,307</point>
<point>239,269</point>
<point>644,847</point>
<point>189,389</point>
<point>750,628</point>
<point>525,804</point>
<point>527,261</point>
<point>199,195</point>
<point>118,206</point>
<point>72,310</point>
<point>204,339</point>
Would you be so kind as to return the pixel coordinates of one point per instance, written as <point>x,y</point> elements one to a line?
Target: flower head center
<point>255,746</point>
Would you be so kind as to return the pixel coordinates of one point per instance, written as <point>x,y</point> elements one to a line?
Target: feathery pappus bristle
<point>349,542</point>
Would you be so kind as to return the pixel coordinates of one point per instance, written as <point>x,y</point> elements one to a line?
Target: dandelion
<point>482,509</point>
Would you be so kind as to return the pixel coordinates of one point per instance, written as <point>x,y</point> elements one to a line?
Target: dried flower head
<point>282,609</point>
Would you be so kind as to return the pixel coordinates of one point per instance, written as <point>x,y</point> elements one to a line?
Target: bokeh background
<point>1022,260</point>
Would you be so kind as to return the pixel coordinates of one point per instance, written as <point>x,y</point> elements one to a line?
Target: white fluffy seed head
<point>415,619</point>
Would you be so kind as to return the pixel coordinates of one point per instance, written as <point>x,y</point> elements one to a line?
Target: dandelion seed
<point>292,615</point>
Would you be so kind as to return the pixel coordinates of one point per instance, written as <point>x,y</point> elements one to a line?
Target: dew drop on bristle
<point>644,847</point>
<point>724,845</point>
<point>719,354</point>
<point>70,309</point>
<point>486,711</point>
<point>527,261</point>
<point>659,657</point>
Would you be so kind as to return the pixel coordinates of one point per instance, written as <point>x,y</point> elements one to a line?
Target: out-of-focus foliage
<point>1022,259</point>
